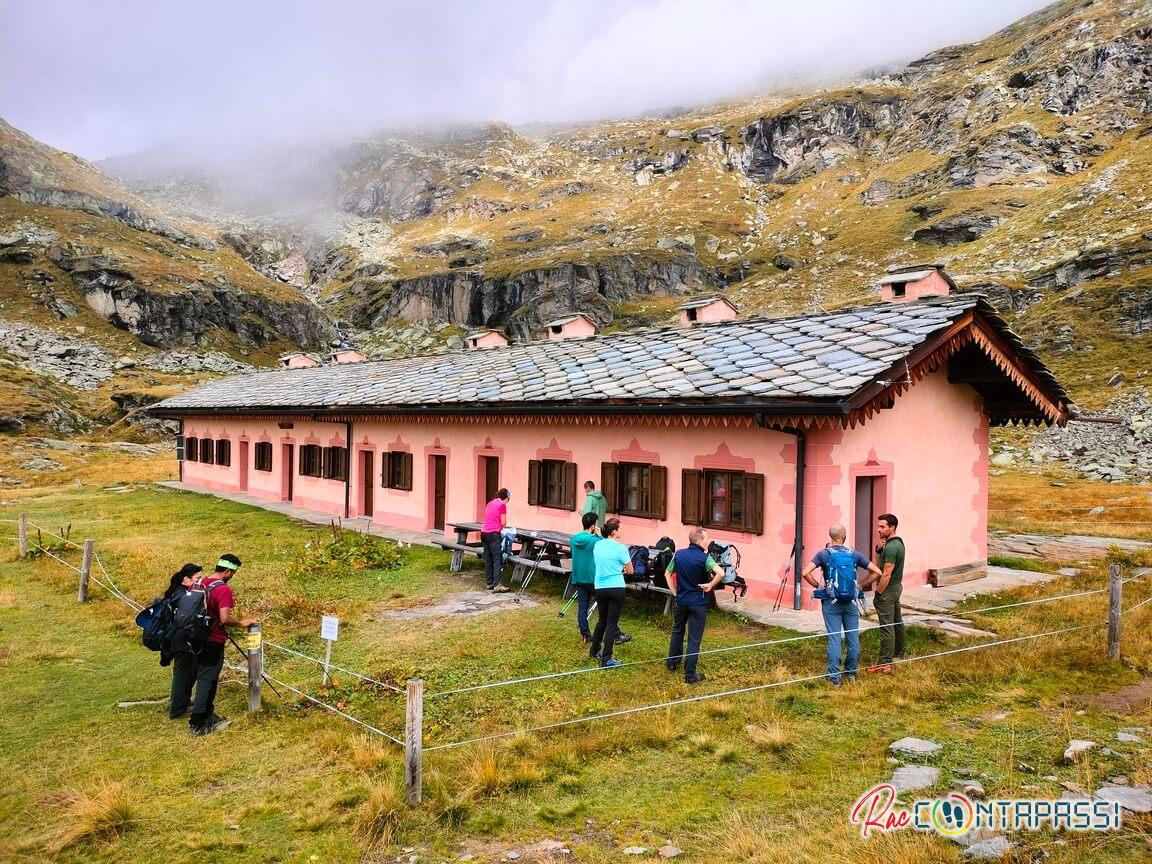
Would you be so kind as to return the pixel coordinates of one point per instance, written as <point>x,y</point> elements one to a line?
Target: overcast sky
<point>107,77</point>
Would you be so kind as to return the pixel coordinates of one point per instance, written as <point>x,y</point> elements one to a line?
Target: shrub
<point>347,554</point>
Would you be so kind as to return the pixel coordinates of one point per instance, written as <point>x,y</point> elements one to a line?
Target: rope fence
<point>413,740</point>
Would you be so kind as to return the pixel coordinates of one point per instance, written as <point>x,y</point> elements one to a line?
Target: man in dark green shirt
<point>888,589</point>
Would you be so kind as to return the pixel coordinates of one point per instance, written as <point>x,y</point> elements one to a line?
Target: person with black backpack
<point>692,574</point>
<point>182,580</point>
<point>199,635</point>
<point>838,598</point>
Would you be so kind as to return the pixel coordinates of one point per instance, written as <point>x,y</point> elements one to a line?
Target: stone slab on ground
<point>1073,547</point>
<point>1136,799</point>
<point>915,747</point>
<point>464,603</point>
<point>909,777</point>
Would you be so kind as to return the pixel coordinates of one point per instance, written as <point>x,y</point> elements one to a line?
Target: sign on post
<point>329,631</point>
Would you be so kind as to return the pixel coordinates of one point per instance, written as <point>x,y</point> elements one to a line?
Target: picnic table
<point>539,550</point>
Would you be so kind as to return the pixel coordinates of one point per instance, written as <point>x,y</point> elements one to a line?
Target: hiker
<point>612,562</point>
<point>584,571</point>
<point>692,574</point>
<point>889,586</point>
<point>595,502</point>
<point>838,598</point>
<point>181,581</point>
<point>495,520</point>
<point>209,660</point>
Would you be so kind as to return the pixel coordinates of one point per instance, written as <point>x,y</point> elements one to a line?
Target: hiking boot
<point>585,639</point>
<point>208,728</point>
<point>621,638</point>
<point>672,667</point>
<point>183,713</point>
<point>693,679</point>
<point>594,653</point>
<point>882,668</point>
<point>499,589</point>
<point>610,662</point>
<point>835,682</point>
<point>850,679</point>
<point>216,719</point>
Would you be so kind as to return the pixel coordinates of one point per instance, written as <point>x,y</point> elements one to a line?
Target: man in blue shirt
<point>612,562</point>
<point>692,574</point>
<point>841,617</point>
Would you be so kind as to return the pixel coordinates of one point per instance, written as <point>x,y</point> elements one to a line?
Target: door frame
<point>287,470</point>
<point>242,454</point>
<point>484,464</point>
<point>881,474</point>
<point>434,488</point>
<point>365,499</point>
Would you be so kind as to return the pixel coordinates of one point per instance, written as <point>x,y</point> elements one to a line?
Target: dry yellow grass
<point>384,812</point>
<point>96,814</point>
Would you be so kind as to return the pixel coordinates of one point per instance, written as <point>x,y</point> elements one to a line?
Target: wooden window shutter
<point>658,500</point>
<point>608,481</point>
<point>303,463</point>
<point>405,471</point>
<point>692,497</point>
<point>385,468</point>
<point>534,467</point>
<point>754,503</point>
<point>326,462</point>
<point>569,490</point>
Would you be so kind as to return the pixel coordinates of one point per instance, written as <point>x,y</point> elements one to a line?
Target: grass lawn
<point>86,780</point>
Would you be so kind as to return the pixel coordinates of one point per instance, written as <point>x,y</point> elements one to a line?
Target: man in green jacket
<point>584,571</point>
<point>595,502</point>
<point>888,589</point>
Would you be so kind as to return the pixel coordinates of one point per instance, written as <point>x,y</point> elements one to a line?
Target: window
<point>552,483</point>
<point>335,463</point>
<point>224,452</point>
<point>207,451</point>
<point>396,470</point>
<point>899,289</point>
<point>310,460</point>
<point>693,314</point>
<point>635,489</point>
<point>263,455</point>
<point>191,450</point>
<point>729,500</point>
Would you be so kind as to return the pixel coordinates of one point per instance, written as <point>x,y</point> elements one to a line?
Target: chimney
<point>909,282</point>
<point>573,327</point>
<point>347,355</point>
<point>486,339</point>
<point>707,310</point>
<point>297,360</point>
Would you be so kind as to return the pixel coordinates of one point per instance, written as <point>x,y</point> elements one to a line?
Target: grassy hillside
<point>88,780</point>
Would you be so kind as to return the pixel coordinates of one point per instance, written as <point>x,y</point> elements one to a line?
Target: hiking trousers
<point>584,595</point>
<point>209,662</point>
<point>183,677</point>
<point>692,619</point>
<point>891,624</point>
<point>610,604</point>
<point>842,621</point>
<point>493,542</point>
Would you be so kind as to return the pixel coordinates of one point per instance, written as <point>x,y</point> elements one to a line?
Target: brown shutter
<point>658,500</point>
<point>754,503</point>
<point>303,450</point>
<point>608,485</point>
<point>691,496</point>
<point>533,481</point>
<point>326,462</point>
<point>406,471</point>
<point>385,468</point>
<point>569,496</point>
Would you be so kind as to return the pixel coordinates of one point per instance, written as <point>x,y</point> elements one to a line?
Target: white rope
<point>334,710</point>
<point>625,711</point>
<point>61,560</point>
<point>115,588</point>
<point>728,648</point>
<point>57,536</point>
<point>1136,605</point>
<point>334,666</point>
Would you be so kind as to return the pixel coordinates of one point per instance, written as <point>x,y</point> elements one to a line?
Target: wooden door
<point>367,482</point>
<point>439,491</point>
<point>491,477</point>
<point>287,466</point>
<point>243,466</point>
<point>863,527</point>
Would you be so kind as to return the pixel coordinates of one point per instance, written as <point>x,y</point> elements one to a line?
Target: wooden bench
<point>938,577</point>
<point>458,550</point>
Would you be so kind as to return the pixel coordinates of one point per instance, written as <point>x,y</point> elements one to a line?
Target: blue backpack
<point>841,572</point>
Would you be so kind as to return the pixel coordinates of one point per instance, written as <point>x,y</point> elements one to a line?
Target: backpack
<point>640,556</point>
<point>841,575</point>
<point>667,547</point>
<point>191,621</point>
<point>156,623</point>
<point>728,557</point>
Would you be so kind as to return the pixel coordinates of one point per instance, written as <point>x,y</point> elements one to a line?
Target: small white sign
<point>329,627</point>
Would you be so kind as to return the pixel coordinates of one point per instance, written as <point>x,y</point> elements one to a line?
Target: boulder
<point>909,777</point>
<point>915,747</point>
<point>1077,747</point>
<point>1135,799</point>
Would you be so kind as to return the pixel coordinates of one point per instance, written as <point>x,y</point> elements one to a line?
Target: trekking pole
<point>571,600</point>
<point>780,593</point>
<point>531,573</point>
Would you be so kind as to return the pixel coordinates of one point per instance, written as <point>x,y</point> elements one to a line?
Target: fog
<point>107,78</point>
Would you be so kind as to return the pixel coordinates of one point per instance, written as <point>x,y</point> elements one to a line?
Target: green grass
<point>295,783</point>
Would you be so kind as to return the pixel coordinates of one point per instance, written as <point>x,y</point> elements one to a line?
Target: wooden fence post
<point>22,535</point>
<point>85,572</point>
<point>255,667</point>
<point>1115,587</point>
<point>414,741</point>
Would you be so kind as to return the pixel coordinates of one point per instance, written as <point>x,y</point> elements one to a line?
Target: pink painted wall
<point>490,339</point>
<point>932,285</point>
<point>574,329</point>
<point>348,355</point>
<point>297,361</point>
<point>930,449</point>
<point>721,310</point>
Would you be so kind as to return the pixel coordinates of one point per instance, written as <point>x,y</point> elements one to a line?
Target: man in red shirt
<point>220,604</point>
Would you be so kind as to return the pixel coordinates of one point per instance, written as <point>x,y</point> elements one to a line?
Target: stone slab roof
<point>801,360</point>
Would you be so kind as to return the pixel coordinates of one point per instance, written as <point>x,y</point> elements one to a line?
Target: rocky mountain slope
<point>1023,162</point>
